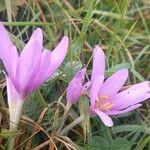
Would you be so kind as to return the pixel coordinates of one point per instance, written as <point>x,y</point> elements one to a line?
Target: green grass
<point>121,28</point>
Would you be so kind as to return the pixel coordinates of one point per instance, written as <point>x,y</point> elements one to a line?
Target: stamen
<point>107,106</point>
<point>104,97</point>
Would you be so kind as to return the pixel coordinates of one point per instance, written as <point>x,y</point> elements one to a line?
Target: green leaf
<point>6,134</point>
<point>98,143</point>
<point>120,144</point>
<point>130,128</point>
<point>143,143</point>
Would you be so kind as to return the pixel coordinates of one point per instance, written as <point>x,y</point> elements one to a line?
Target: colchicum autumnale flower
<point>76,88</point>
<point>25,73</point>
<point>105,96</point>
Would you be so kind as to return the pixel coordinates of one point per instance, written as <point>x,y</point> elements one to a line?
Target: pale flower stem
<point>14,116</point>
<point>73,124</point>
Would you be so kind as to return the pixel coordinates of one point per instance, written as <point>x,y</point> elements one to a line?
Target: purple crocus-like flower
<point>25,73</point>
<point>76,88</point>
<point>105,96</point>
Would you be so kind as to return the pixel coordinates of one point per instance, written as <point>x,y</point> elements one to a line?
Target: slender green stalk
<point>8,8</point>
<point>26,23</point>
<point>73,124</point>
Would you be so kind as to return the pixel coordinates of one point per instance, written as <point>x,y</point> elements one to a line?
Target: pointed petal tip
<point>39,31</point>
<point>125,70</point>
<point>123,73</point>
<point>105,118</point>
<point>81,73</point>
<point>98,48</point>
<point>37,35</point>
<point>65,40</point>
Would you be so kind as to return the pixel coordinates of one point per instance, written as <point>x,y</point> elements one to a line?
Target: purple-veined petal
<point>142,87</point>
<point>97,76</point>
<point>133,95</point>
<point>105,118</point>
<point>4,38</point>
<point>98,64</point>
<point>42,74</point>
<point>75,87</point>
<point>28,66</point>
<point>12,62</point>
<point>124,100</point>
<point>15,103</point>
<point>8,53</point>
<point>58,55</point>
<point>114,83</point>
<point>95,87</point>
<point>118,112</point>
<point>38,36</point>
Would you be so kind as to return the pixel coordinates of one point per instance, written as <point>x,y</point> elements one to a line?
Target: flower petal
<point>105,118</point>
<point>133,95</point>
<point>142,87</point>
<point>118,112</point>
<point>98,64</point>
<point>58,55</point>
<point>4,38</point>
<point>124,100</point>
<point>38,35</point>
<point>75,87</point>
<point>8,53</point>
<point>95,87</point>
<point>28,66</point>
<point>42,74</point>
<point>97,76</point>
<point>114,83</point>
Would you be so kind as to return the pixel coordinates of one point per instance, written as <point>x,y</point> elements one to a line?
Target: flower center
<point>103,102</point>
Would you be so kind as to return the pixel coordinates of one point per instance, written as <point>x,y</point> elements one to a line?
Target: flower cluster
<point>105,96</point>
<point>27,71</point>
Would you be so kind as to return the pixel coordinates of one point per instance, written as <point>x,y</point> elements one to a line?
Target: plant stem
<point>8,8</point>
<point>11,143</point>
<point>15,114</point>
<point>74,123</point>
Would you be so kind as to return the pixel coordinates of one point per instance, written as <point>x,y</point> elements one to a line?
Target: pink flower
<point>76,88</point>
<point>25,73</point>
<point>105,96</point>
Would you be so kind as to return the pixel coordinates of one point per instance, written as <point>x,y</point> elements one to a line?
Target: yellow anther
<point>107,106</point>
<point>104,97</point>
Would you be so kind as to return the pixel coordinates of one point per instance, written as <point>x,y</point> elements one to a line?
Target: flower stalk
<point>73,124</point>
